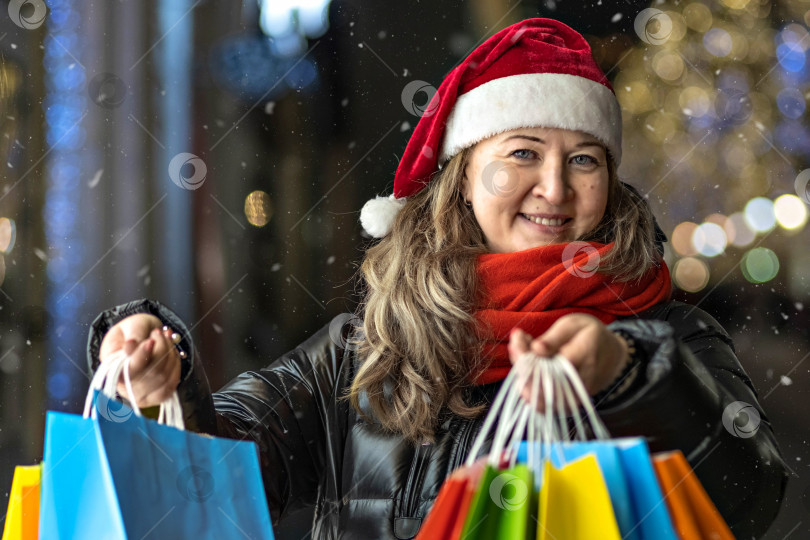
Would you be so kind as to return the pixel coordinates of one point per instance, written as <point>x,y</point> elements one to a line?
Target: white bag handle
<point>105,381</point>
<point>561,387</point>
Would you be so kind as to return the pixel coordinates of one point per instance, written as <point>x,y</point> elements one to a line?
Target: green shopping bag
<point>535,499</point>
<point>504,506</point>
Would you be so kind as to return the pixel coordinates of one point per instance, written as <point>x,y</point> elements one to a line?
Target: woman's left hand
<point>598,355</point>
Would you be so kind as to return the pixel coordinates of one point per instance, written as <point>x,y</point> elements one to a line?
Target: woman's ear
<point>466,192</point>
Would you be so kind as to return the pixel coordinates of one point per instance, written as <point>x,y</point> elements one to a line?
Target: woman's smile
<point>532,187</point>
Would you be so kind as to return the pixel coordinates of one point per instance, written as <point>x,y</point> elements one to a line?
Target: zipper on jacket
<point>406,522</point>
<point>465,438</point>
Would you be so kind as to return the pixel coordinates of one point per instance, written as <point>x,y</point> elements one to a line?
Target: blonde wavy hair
<point>418,343</point>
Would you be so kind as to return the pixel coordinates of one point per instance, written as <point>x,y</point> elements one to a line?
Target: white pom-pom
<point>378,214</point>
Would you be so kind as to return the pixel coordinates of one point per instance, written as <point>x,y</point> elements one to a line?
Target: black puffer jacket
<point>363,484</point>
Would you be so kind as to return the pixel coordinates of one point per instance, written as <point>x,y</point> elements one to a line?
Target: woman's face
<point>557,177</point>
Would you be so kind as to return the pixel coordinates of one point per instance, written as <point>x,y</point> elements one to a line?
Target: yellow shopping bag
<point>575,504</point>
<point>22,518</point>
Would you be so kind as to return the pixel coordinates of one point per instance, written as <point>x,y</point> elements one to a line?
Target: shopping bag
<point>607,456</point>
<point>574,503</point>
<point>475,472</point>
<point>22,517</point>
<point>446,516</point>
<point>131,477</point>
<point>628,472</point>
<point>502,506</point>
<point>693,512</point>
<point>567,502</point>
<point>651,514</point>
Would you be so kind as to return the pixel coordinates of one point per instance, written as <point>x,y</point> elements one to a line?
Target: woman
<point>508,230</point>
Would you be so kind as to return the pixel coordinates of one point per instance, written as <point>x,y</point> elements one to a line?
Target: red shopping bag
<point>693,513</point>
<point>446,517</point>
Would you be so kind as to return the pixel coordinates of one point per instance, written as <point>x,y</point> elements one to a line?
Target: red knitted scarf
<point>531,289</point>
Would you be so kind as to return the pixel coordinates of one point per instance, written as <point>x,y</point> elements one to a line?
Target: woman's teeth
<point>545,221</point>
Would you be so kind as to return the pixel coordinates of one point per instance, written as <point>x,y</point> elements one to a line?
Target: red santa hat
<point>536,73</point>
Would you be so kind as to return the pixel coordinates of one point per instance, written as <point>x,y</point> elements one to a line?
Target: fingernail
<point>150,345</point>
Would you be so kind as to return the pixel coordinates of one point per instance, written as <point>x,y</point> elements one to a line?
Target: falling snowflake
<point>96,179</point>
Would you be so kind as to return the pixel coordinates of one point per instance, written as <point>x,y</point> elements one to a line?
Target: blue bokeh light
<point>791,56</point>
<point>791,103</point>
<point>64,106</point>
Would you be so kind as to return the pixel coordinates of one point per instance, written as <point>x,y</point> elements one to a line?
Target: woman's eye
<point>584,159</point>
<point>523,153</point>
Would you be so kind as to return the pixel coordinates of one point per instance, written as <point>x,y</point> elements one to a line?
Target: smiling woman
<point>508,231</point>
<point>555,191</point>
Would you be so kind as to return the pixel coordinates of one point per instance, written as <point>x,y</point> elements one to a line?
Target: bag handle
<point>105,382</point>
<point>562,387</point>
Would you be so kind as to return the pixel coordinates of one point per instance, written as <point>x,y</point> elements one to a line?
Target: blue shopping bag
<point>651,512</point>
<point>120,475</point>
<point>627,469</point>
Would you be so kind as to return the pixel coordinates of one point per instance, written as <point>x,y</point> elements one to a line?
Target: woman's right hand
<point>154,367</point>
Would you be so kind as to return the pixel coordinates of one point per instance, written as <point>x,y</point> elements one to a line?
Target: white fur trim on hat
<point>378,214</point>
<point>553,100</point>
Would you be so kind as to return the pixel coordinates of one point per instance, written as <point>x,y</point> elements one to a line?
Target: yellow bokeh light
<point>8,234</point>
<point>698,17</point>
<point>737,4</point>
<point>694,101</point>
<point>790,212</point>
<point>668,65</point>
<point>682,238</point>
<point>660,126</point>
<point>258,208</point>
<point>634,96</point>
<point>678,31</point>
<point>690,274</point>
<point>739,45</point>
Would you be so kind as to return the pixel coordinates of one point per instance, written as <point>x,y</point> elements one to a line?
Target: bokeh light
<point>737,230</point>
<point>8,234</point>
<point>790,212</point>
<point>698,17</point>
<point>258,208</point>
<point>790,102</point>
<point>709,239</point>
<point>681,238</point>
<point>718,42</point>
<point>694,101</point>
<point>759,214</point>
<point>760,265</point>
<point>668,65</point>
<point>690,274</point>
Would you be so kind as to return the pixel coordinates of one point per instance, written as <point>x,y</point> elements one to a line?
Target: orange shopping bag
<point>693,513</point>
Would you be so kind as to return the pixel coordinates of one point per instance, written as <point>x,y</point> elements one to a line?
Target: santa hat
<point>536,73</point>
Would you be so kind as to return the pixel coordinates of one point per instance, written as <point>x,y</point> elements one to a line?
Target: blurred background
<point>215,156</point>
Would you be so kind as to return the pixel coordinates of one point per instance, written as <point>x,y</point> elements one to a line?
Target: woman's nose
<point>552,182</point>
